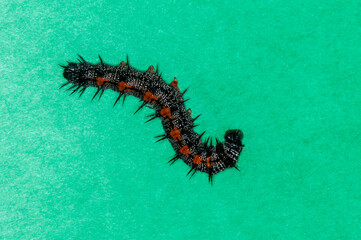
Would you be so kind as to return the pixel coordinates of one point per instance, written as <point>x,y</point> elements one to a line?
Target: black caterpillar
<point>168,103</point>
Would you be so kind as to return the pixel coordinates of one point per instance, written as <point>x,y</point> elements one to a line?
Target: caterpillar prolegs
<point>168,103</point>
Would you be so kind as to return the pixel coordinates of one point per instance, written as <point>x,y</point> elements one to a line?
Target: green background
<point>286,73</point>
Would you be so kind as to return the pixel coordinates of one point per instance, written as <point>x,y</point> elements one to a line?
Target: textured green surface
<point>287,74</point>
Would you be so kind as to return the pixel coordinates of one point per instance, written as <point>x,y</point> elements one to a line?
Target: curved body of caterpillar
<point>168,103</point>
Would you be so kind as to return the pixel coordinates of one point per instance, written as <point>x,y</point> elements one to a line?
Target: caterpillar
<point>168,103</point>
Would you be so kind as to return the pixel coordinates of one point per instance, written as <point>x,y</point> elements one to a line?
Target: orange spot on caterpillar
<point>175,134</point>
<point>150,69</point>
<point>174,84</point>
<point>101,81</point>
<point>197,160</point>
<point>189,111</point>
<point>185,150</point>
<point>209,161</point>
<point>165,112</point>
<point>149,97</point>
<point>123,86</point>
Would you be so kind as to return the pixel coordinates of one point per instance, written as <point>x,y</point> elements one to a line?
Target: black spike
<point>196,117</point>
<point>124,99</point>
<point>160,75</point>
<point>161,139</point>
<point>82,91</point>
<point>62,66</point>
<point>101,94</point>
<point>151,119</point>
<point>185,100</point>
<point>81,58</point>
<point>156,70</point>
<point>127,60</point>
<point>200,136</point>
<point>217,141</point>
<point>101,60</point>
<point>195,125</point>
<point>193,174</point>
<point>96,93</point>
<point>193,168</point>
<point>76,89</point>
<point>120,95</point>
<point>174,159</point>
<point>184,91</point>
<point>162,135</point>
<point>210,178</point>
<point>206,142</point>
<point>71,87</point>
<point>64,85</point>
<point>236,167</point>
<point>141,106</point>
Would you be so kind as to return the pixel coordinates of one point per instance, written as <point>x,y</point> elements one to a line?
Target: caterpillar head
<point>232,146</point>
<point>234,137</point>
<point>75,72</point>
<point>84,73</point>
